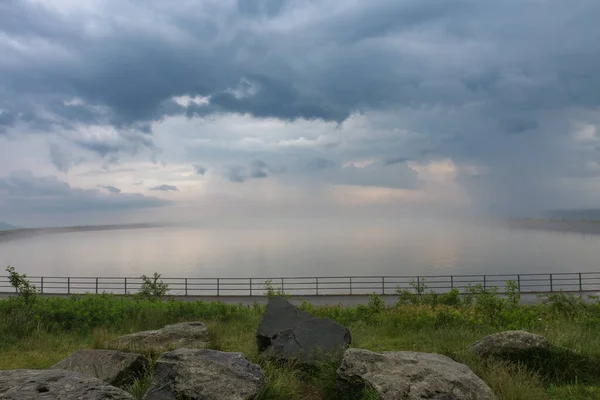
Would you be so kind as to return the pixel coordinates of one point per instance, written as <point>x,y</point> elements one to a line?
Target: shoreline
<point>23,233</point>
<point>591,227</point>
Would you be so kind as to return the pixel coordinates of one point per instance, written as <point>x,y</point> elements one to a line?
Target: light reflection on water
<point>305,248</point>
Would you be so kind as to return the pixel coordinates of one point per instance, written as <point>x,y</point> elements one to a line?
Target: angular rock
<point>184,334</point>
<point>21,384</point>
<point>279,316</point>
<point>409,375</point>
<point>204,375</point>
<point>287,333</point>
<point>111,366</point>
<point>510,343</point>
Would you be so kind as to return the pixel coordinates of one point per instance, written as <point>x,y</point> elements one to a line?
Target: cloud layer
<point>220,96</point>
<point>25,193</point>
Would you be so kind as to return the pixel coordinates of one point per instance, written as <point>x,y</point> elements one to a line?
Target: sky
<point>131,111</point>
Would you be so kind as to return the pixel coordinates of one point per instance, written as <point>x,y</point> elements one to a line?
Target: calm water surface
<point>305,248</point>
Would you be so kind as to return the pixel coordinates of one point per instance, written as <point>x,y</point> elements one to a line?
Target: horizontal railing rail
<point>304,286</point>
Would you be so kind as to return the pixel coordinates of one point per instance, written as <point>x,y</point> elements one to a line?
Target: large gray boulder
<point>510,343</point>
<point>287,333</point>
<point>21,384</point>
<point>279,316</point>
<point>185,334</point>
<point>111,366</point>
<point>409,375</point>
<point>204,375</point>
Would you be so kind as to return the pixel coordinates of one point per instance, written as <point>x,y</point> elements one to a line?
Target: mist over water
<point>310,247</point>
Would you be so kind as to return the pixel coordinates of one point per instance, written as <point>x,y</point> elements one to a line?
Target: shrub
<point>376,305</point>
<point>153,288</point>
<point>431,298</point>
<point>270,291</point>
<point>513,292</point>
<point>488,304</point>
<point>565,304</point>
<point>25,290</point>
<point>408,297</point>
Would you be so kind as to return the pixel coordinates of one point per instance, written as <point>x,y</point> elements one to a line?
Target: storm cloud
<point>27,193</point>
<point>111,189</point>
<point>199,169</point>
<point>370,94</point>
<point>165,188</point>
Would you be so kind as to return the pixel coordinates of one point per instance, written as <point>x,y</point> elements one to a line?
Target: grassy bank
<point>38,332</point>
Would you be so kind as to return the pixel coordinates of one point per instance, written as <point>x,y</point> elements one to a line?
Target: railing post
<point>484,282</point>
<point>281,285</point>
<point>551,285</point>
<point>250,287</point>
<point>451,281</point>
<point>125,280</point>
<point>383,285</point>
<point>186,286</point>
<point>218,287</point>
<point>42,284</point>
<point>580,285</point>
<point>96,285</point>
<point>519,282</point>
<point>69,285</point>
<point>317,285</point>
<point>350,286</point>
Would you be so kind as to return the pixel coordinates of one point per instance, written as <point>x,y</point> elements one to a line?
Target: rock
<point>279,316</point>
<point>510,343</point>
<point>185,334</point>
<point>22,384</point>
<point>204,374</point>
<point>408,375</point>
<point>287,333</point>
<point>111,366</point>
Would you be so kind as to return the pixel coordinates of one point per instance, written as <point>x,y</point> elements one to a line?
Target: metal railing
<point>304,286</point>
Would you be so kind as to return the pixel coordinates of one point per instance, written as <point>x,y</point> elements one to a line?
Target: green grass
<point>40,333</point>
<point>574,392</point>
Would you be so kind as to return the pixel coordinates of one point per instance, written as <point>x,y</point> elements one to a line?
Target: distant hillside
<point>592,214</point>
<point>6,227</point>
<point>9,234</point>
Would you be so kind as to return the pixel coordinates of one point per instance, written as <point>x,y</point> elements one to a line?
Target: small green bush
<point>376,305</point>
<point>565,304</point>
<point>24,289</point>
<point>153,288</point>
<point>513,292</point>
<point>270,291</point>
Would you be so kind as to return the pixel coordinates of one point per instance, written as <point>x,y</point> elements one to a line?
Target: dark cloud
<point>128,141</point>
<point>398,176</point>
<point>319,164</point>
<point>519,125</point>
<point>264,8</point>
<point>62,159</point>
<point>258,173</point>
<point>128,75</point>
<point>256,169</point>
<point>111,189</point>
<point>395,160</point>
<point>237,173</point>
<point>165,188</point>
<point>259,169</point>
<point>494,84</point>
<point>22,192</point>
<point>199,169</point>
<point>6,119</point>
